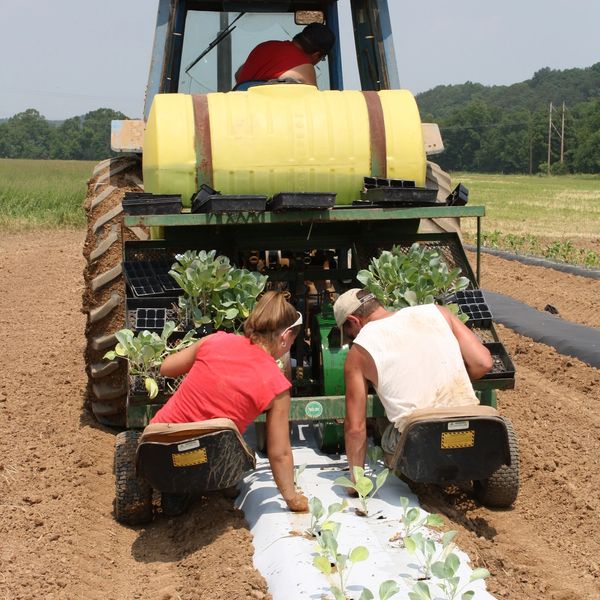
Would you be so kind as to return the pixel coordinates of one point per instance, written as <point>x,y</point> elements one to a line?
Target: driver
<point>284,59</point>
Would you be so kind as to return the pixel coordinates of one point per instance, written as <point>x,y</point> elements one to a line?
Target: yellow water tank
<point>282,138</point>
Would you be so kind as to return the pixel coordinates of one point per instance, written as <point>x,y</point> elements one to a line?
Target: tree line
<point>504,129</point>
<point>499,129</point>
<point>29,135</point>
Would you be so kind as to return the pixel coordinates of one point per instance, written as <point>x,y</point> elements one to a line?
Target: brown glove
<point>298,503</point>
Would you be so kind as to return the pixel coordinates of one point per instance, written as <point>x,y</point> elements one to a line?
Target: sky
<point>69,57</point>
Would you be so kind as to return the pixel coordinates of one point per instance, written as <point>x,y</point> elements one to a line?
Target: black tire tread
<point>133,496</point>
<point>501,489</point>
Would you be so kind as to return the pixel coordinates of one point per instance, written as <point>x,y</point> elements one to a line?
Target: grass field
<point>551,207</point>
<point>556,217</point>
<point>42,193</point>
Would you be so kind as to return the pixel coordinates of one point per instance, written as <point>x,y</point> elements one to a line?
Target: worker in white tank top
<point>419,357</point>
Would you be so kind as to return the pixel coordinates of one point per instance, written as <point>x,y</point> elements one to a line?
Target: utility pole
<point>562,135</point>
<point>549,138</point>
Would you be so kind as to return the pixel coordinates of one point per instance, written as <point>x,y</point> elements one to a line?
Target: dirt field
<point>57,535</point>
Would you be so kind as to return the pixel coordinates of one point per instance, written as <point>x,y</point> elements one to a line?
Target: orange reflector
<point>458,439</point>
<point>187,459</point>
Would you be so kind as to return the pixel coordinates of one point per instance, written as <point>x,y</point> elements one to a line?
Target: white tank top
<point>418,361</point>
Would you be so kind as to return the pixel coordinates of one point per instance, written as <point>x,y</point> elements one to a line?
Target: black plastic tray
<point>145,286</point>
<point>374,182</point>
<point>202,196</point>
<point>302,201</point>
<point>400,196</point>
<point>218,203</point>
<point>135,203</point>
<point>503,366</point>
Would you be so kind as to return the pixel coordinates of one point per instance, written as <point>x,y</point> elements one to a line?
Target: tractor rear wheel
<point>500,490</point>
<point>133,496</point>
<point>103,296</point>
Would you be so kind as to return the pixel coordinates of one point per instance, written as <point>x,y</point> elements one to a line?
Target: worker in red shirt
<point>237,377</point>
<point>284,59</point>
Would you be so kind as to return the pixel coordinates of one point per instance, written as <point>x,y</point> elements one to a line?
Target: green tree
<point>27,135</point>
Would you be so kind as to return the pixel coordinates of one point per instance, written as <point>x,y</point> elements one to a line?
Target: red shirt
<point>231,377</point>
<point>270,60</point>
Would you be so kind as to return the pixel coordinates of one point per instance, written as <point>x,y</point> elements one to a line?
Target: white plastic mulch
<point>285,558</point>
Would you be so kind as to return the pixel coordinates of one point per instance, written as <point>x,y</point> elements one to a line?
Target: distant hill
<point>571,86</point>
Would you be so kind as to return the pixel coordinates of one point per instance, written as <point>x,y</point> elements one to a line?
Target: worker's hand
<point>298,503</point>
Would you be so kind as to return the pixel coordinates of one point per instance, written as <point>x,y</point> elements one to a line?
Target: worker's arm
<point>303,73</point>
<point>279,451</point>
<point>181,362</point>
<point>355,422</point>
<point>477,357</point>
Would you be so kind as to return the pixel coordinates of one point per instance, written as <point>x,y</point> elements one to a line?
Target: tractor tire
<point>501,489</point>
<point>133,496</point>
<point>103,296</point>
<point>436,177</point>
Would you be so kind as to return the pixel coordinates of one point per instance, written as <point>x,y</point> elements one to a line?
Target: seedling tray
<point>302,201</point>
<point>472,303</point>
<point>399,196</point>
<point>149,204</point>
<point>375,182</point>
<point>150,313</point>
<point>145,286</point>
<point>503,367</point>
<point>218,203</point>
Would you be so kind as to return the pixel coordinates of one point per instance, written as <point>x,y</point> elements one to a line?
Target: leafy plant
<point>145,352</point>
<point>297,472</point>
<point>449,582</point>
<point>330,555</point>
<point>319,518</point>
<point>414,518</point>
<point>214,291</point>
<point>399,279</point>
<point>386,590</point>
<point>363,485</point>
<point>418,544</point>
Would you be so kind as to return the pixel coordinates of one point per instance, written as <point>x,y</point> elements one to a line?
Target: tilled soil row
<point>58,538</point>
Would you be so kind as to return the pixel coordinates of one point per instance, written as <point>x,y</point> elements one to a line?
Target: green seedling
<point>214,291</point>
<point>414,518</point>
<point>374,457</point>
<point>426,549</point>
<point>319,518</point>
<point>297,472</point>
<point>449,584</point>
<point>145,352</point>
<point>363,486</point>
<point>343,563</point>
<point>386,590</point>
<point>399,279</point>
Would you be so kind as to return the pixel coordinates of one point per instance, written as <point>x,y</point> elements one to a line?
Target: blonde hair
<point>270,316</point>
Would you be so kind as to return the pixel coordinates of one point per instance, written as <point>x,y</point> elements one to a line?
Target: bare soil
<point>58,538</point>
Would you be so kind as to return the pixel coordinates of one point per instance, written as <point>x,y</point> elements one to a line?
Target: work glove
<point>298,503</point>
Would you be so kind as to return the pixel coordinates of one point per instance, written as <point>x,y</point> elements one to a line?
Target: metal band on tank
<point>204,164</point>
<point>376,134</point>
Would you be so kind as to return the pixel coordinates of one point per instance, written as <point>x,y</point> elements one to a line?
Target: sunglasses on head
<point>297,322</point>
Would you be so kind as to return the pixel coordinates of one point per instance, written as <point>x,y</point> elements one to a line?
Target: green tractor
<point>299,183</point>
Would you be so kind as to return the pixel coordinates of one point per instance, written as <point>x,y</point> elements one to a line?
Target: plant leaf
<point>151,387</point>
<point>343,481</point>
<point>366,594</point>
<point>359,554</point>
<point>387,589</point>
<point>435,520</point>
<point>479,574</point>
<point>323,564</point>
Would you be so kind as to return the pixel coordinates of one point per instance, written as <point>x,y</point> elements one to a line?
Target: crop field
<point>42,193</point>
<point>554,217</point>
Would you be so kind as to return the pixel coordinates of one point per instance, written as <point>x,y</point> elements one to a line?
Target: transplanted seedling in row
<point>414,518</point>
<point>386,590</point>
<point>343,563</point>
<point>449,581</point>
<point>363,486</point>
<point>319,518</point>
<point>297,472</point>
<point>427,551</point>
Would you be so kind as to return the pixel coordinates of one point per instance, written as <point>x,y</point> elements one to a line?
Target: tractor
<point>303,184</point>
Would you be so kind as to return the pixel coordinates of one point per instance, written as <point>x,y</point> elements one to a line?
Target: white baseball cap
<point>347,303</point>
